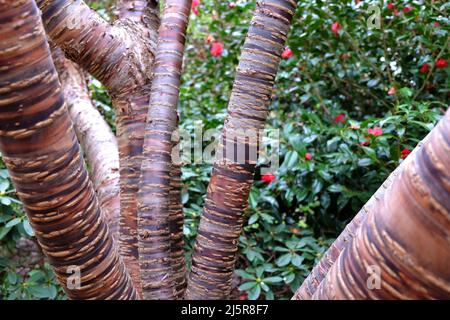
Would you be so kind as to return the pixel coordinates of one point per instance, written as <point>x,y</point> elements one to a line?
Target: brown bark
<point>406,235</point>
<point>95,136</point>
<point>133,9</point>
<point>214,255</point>
<point>40,150</point>
<point>312,282</point>
<point>160,243</point>
<point>121,57</point>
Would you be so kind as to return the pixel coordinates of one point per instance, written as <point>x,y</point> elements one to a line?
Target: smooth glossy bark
<point>41,152</point>
<point>121,56</point>
<point>95,136</point>
<point>214,255</point>
<point>160,229</point>
<point>400,251</point>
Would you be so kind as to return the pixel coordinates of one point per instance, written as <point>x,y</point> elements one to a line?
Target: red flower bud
<point>268,177</point>
<point>405,152</point>
<point>390,6</point>
<point>441,63</point>
<point>287,53</point>
<point>308,156</point>
<point>335,27</point>
<point>339,118</point>
<point>216,49</point>
<point>424,68</point>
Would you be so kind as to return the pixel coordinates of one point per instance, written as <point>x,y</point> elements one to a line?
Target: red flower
<point>232,5</point>
<point>424,68</point>
<point>392,91</point>
<point>407,9</point>
<point>268,177</point>
<point>216,49</point>
<point>287,53</point>
<point>335,27</point>
<point>308,156</point>
<point>243,297</point>
<point>364,143</point>
<point>339,118</point>
<point>437,24</point>
<point>405,152</point>
<point>441,63</point>
<point>377,131</point>
<point>194,7</point>
<point>390,6</point>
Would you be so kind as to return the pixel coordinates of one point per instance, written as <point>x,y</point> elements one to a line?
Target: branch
<point>159,248</point>
<point>400,251</point>
<point>95,136</point>
<point>214,255</point>
<point>319,272</point>
<point>41,152</point>
<point>121,57</point>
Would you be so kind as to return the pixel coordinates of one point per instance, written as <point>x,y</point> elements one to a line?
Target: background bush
<point>350,102</point>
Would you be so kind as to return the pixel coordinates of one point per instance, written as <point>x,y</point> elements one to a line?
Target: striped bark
<point>133,9</point>
<point>160,254</point>
<point>41,152</point>
<point>121,57</point>
<point>312,282</point>
<point>95,136</point>
<point>405,237</point>
<point>214,255</point>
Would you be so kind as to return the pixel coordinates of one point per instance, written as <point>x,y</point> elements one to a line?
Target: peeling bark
<point>95,136</point>
<point>121,57</point>
<point>405,236</point>
<point>159,211</point>
<point>315,277</point>
<point>41,152</point>
<point>214,255</point>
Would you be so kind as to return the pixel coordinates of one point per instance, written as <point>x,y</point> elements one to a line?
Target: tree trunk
<point>401,250</point>
<point>95,137</point>
<point>160,240</point>
<point>312,282</point>
<point>121,56</point>
<point>40,150</point>
<point>214,255</point>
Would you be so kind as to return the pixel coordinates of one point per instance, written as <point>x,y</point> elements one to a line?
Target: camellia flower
<point>287,53</point>
<point>216,49</point>
<point>405,152</point>
<point>268,177</point>
<point>437,24</point>
<point>392,91</point>
<point>194,7</point>
<point>441,63</point>
<point>335,27</point>
<point>424,68</point>
<point>407,9</point>
<point>377,131</point>
<point>339,118</point>
<point>308,156</point>
<point>391,6</point>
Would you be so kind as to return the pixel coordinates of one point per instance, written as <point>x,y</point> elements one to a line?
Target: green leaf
<point>247,285</point>
<point>364,162</point>
<point>284,260</point>
<point>13,222</point>
<point>271,280</point>
<point>243,274</point>
<point>254,293</point>
<point>27,228</point>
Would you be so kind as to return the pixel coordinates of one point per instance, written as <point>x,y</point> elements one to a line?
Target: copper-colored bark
<point>40,150</point>
<point>120,56</point>
<point>95,136</point>
<point>315,277</point>
<point>405,236</point>
<point>160,254</point>
<point>214,255</point>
